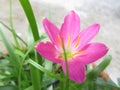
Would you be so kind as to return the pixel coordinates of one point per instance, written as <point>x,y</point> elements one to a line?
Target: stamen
<point>68,44</point>
<point>77,42</point>
<point>80,52</point>
<point>60,56</point>
<point>60,40</point>
<point>70,56</point>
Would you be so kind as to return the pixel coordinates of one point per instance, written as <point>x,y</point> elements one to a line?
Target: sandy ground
<point>104,12</point>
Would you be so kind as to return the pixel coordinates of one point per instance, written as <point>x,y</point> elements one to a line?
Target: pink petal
<point>93,52</point>
<point>51,30</point>
<point>76,70</point>
<point>71,26</point>
<point>88,34</point>
<point>48,51</point>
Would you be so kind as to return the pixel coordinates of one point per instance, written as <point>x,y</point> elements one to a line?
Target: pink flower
<point>78,50</point>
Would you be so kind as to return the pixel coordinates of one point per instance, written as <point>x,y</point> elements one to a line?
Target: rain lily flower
<point>74,43</point>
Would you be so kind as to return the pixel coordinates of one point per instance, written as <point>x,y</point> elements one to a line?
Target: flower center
<point>70,56</point>
<point>66,50</point>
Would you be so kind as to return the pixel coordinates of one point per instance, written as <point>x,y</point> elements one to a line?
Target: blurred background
<point>104,12</point>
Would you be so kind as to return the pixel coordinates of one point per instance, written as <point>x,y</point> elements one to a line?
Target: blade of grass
<point>15,34</point>
<point>10,49</point>
<point>95,72</point>
<point>18,71</point>
<point>30,16</point>
<point>36,65</point>
<point>30,37</point>
<point>11,24</point>
<point>99,68</point>
<point>32,22</point>
<point>13,57</point>
<point>107,84</point>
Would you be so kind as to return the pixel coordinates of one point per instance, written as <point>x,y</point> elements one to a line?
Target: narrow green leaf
<point>3,63</point>
<point>48,65</point>
<point>32,22</point>
<point>30,37</point>
<point>30,16</point>
<point>48,81</point>
<point>95,72</point>
<point>20,53</point>
<point>29,88</point>
<point>14,60</point>
<point>44,70</point>
<point>11,24</point>
<point>35,78</point>
<point>118,81</point>
<point>92,75</point>
<point>10,49</point>
<point>109,84</point>
<point>8,28</point>
<point>8,88</point>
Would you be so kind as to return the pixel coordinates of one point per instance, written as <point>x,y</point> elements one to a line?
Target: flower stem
<point>67,71</point>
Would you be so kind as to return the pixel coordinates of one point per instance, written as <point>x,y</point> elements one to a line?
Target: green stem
<point>67,71</point>
<point>11,24</point>
<point>19,78</point>
<point>16,34</point>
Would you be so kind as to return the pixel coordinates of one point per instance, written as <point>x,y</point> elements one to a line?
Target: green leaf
<point>3,63</point>
<point>8,88</point>
<point>119,81</point>
<point>30,37</point>
<point>92,75</point>
<point>39,67</point>
<point>8,28</point>
<point>48,81</point>
<point>48,65</point>
<point>109,84</point>
<point>13,57</point>
<point>29,88</point>
<point>19,52</point>
<point>11,24</point>
<point>30,16</point>
<point>37,81</point>
<point>95,72</point>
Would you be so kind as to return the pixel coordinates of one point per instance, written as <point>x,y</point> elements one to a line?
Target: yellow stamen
<point>60,40</point>
<point>80,52</point>
<point>70,56</point>
<point>77,42</point>
<point>68,44</point>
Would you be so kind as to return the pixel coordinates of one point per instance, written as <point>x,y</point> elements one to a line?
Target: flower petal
<point>93,52</point>
<point>71,26</point>
<point>88,34</point>
<point>48,51</point>
<point>51,30</point>
<point>76,70</point>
